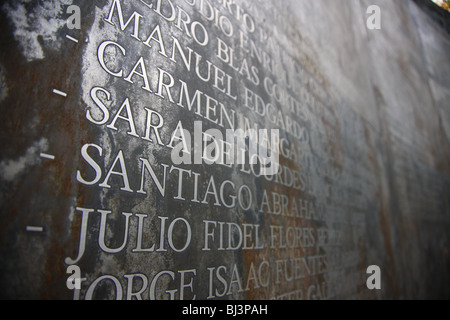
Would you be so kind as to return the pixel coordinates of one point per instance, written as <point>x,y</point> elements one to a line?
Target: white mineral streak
<point>94,76</point>
<point>3,85</point>
<point>44,19</point>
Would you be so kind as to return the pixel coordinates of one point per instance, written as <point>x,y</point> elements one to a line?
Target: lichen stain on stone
<point>32,19</point>
<point>10,169</point>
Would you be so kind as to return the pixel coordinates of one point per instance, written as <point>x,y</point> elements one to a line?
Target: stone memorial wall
<point>220,149</point>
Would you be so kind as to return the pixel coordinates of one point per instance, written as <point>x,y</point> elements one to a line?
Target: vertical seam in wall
<point>388,197</point>
<point>426,62</point>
